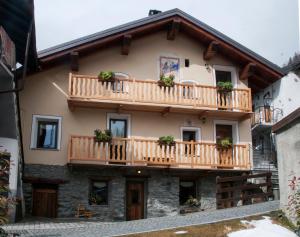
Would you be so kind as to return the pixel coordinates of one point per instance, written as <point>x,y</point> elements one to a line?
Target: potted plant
<point>166,140</point>
<point>224,143</point>
<point>106,76</point>
<point>103,136</point>
<point>224,87</point>
<point>166,81</point>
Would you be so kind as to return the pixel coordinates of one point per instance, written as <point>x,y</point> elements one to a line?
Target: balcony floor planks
<point>153,107</point>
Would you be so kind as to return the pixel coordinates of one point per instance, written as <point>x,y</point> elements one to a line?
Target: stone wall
<point>161,190</point>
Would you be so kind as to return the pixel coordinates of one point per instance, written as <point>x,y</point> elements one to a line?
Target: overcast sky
<point>268,27</point>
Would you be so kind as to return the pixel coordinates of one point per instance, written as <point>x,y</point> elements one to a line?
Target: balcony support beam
<point>166,111</point>
<point>174,29</point>
<point>211,50</point>
<point>74,61</point>
<point>247,71</point>
<point>245,117</point>
<point>126,42</point>
<point>120,109</point>
<point>202,114</point>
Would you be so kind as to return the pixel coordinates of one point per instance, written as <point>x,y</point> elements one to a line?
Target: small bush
<point>103,136</point>
<point>167,81</point>
<point>106,75</point>
<point>224,143</point>
<point>166,140</point>
<point>225,86</point>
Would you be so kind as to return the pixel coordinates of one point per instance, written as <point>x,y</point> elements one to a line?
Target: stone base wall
<point>161,190</point>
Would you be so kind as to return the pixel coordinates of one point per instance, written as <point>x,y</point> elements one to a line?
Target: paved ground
<point>104,229</point>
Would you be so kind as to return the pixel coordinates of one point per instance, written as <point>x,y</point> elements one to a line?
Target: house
<point>271,105</point>
<point>17,45</point>
<point>134,176</point>
<point>287,133</point>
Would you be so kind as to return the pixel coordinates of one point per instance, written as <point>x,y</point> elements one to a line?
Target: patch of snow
<point>263,228</point>
<point>180,232</point>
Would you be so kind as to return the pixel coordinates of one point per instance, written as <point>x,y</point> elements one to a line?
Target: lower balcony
<point>147,152</point>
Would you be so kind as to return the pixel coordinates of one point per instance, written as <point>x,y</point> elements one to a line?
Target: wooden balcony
<point>147,95</point>
<point>147,152</point>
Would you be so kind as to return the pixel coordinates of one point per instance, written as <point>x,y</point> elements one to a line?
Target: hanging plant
<point>103,136</point>
<point>224,87</point>
<point>224,143</point>
<point>166,140</point>
<point>166,81</point>
<point>107,76</point>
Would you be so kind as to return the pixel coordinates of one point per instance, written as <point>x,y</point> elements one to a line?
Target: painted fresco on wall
<point>169,65</point>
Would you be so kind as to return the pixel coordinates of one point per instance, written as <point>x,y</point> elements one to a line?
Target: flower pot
<point>102,141</point>
<point>161,83</point>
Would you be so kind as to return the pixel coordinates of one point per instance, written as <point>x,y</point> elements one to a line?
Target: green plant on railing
<point>224,86</point>
<point>166,140</point>
<point>224,143</point>
<point>192,202</point>
<point>167,81</point>
<point>103,136</point>
<point>106,76</point>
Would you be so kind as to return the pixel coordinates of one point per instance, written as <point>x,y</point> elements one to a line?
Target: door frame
<point>235,129</point>
<point>122,117</point>
<point>144,182</point>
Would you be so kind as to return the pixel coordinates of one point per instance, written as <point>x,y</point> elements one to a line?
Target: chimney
<point>153,12</point>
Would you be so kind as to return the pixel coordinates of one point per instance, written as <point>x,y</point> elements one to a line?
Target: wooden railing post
<point>192,153</point>
<point>132,150</point>
<point>70,84</point>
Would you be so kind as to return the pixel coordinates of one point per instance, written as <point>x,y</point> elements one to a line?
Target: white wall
<point>285,95</point>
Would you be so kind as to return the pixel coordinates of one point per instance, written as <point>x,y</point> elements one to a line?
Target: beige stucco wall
<point>46,94</point>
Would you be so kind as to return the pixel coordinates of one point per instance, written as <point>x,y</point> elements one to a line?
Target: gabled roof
<point>267,71</point>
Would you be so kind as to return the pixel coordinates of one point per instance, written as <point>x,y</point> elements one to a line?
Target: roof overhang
<point>265,72</point>
<point>286,121</point>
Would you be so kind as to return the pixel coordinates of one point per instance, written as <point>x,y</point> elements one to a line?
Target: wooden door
<point>224,132</point>
<point>44,202</point>
<point>134,200</point>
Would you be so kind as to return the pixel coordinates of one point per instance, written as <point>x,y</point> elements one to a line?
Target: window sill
<point>44,149</point>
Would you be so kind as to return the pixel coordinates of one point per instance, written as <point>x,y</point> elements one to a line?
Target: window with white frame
<point>225,74</point>
<point>46,132</point>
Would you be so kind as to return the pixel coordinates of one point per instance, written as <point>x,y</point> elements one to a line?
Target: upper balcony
<point>148,95</point>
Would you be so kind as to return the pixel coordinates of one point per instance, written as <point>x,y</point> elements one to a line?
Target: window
<point>225,74</point>
<point>98,192</point>
<point>226,128</point>
<point>46,132</point>
<point>187,189</point>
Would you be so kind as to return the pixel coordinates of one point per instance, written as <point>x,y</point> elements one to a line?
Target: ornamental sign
<point>7,50</point>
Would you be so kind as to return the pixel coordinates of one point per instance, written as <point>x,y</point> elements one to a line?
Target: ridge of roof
<point>151,19</point>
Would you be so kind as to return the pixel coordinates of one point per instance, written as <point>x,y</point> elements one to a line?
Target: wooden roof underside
<point>259,75</point>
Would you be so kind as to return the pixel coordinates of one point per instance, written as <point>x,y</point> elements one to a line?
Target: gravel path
<point>104,229</point>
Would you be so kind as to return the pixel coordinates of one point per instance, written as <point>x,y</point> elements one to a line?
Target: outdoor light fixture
<point>139,172</point>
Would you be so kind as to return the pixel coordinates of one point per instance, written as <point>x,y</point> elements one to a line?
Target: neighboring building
<point>134,176</point>
<point>16,32</point>
<point>287,133</point>
<point>271,105</point>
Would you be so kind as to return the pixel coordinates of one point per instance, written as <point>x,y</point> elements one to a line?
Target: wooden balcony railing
<point>88,88</point>
<point>137,152</point>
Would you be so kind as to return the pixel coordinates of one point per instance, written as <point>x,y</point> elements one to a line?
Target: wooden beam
<point>211,50</point>
<point>174,29</point>
<point>119,109</point>
<point>246,116</point>
<point>201,114</point>
<point>166,111</point>
<point>126,42</point>
<point>259,81</point>
<point>247,71</point>
<point>74,61</point>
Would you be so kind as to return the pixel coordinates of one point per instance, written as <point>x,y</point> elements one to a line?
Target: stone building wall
<point>161,190</point>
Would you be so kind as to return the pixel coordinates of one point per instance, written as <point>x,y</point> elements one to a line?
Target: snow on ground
<point>262,228</point>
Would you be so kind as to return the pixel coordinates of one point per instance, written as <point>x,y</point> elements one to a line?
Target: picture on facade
<point>169,66</point>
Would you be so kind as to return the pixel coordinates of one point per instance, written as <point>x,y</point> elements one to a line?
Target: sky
<point>268,27</point>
